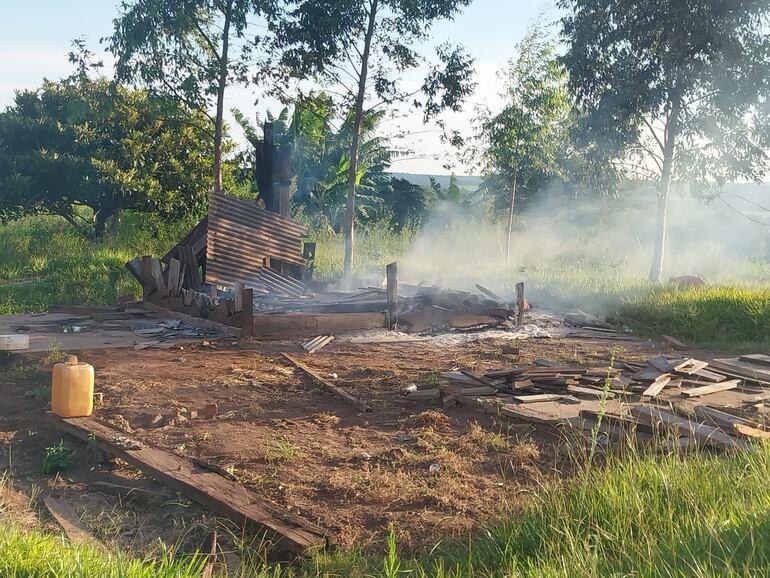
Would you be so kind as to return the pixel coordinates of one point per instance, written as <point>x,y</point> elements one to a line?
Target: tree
<point>189,49</point>
<point>408,204</point>
<point>91,143</point>
<point>362,47</point>
<point>672,89</point>
<point>518,146</point>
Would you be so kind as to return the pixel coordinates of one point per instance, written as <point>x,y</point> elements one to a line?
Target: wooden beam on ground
<point>354,401</point>
<point>290,325</point>
<point>392,294</point>
<point>713,388</point>
<point>66,517</point>
<point>225,497</point>
<point>700,432</point>
<point>674,343</point>
<point>657,386</point>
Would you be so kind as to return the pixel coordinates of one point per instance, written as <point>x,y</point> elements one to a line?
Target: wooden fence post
<point>520,302</point>
<point>247,315</point>
<point>392,275</point>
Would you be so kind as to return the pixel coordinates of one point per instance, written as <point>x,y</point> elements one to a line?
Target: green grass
<point>728,317</point>
<point>33,554</point>
<point>636,516</point>
<point>43,261</point>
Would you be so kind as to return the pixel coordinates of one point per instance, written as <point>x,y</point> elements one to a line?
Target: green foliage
<point>44,261</point>
<point>735,318</point>
<point>684,71</point>
<point>518,147</point>
<point>91,143</point>
<point>57,458</point>
<point>27,554</point>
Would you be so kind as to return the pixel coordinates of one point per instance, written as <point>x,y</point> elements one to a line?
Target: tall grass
<point>33,554</point>
<point>375,247</point>
<point>44,261</point>
<point>728,317</point>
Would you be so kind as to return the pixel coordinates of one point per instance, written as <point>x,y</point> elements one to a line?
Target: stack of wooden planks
<point>643,394</point>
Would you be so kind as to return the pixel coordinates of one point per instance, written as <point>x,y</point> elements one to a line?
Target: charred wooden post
<point>266,181</point>
<point>308,254</point>
<point>392,292</point>
<point>147,284</point>
<point>247,313</point>
<point>520,304</point>
<point>284,180</point>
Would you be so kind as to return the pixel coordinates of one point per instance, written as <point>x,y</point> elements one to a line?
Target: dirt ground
<point>428,473</point>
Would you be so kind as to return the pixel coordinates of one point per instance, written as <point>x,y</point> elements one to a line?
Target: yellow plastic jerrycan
<point>72,388</point>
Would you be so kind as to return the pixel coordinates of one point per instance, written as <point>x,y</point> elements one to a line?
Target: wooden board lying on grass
<point>354,401</point>
<point>227,498</point>
<point>700,432</point>
<point>66,517</point>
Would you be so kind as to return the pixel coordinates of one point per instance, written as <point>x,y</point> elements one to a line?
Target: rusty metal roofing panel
<point>241,236</point>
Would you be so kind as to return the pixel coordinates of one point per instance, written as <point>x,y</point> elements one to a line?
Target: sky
<point>35,37</point>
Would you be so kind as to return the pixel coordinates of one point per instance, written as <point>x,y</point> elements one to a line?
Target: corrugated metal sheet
<point>241,236</point>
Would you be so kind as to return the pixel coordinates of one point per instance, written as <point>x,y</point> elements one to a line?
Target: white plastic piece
<point>15,342</point>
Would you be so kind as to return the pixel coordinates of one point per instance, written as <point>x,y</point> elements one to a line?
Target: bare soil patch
<point>427,472</point>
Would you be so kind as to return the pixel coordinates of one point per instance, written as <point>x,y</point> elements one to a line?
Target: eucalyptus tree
<point>361,48</point>
<point>518,146</point>
<point>192,50</point>
<point>672,90</point>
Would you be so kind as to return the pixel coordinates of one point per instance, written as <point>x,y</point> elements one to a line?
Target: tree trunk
<point>350,208</point>
<point>222,85</point>
<point>664,186</point>
<point>510,220</point>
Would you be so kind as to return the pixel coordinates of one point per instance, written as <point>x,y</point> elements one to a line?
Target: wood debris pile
<point>681,394</point>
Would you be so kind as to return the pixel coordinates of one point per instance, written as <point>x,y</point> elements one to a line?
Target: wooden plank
<point>590,392</point>
<point>751,432</point>
<point>674,343</point>
<point>690,366</point>
<point>225,497</point>
<point>326,340</point>
<point>713,388</point>
<point>721,419</point>
<point>392,294</point>
<point>157,277</point>
<point>174,268</point>
<point>239,287</point>
<point>527,414</point>
<point>354,401</point>
<point>538,398</point>
<point>657,386</point>
<point>756,359</point>
<point>709,375</point>
<point>621,421</point>
<point>289,325</point>
<point>66,517</point>
<point>698,431</point>
<point>734,367</point>
<point>148,286</point>
<point>660,363</point>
